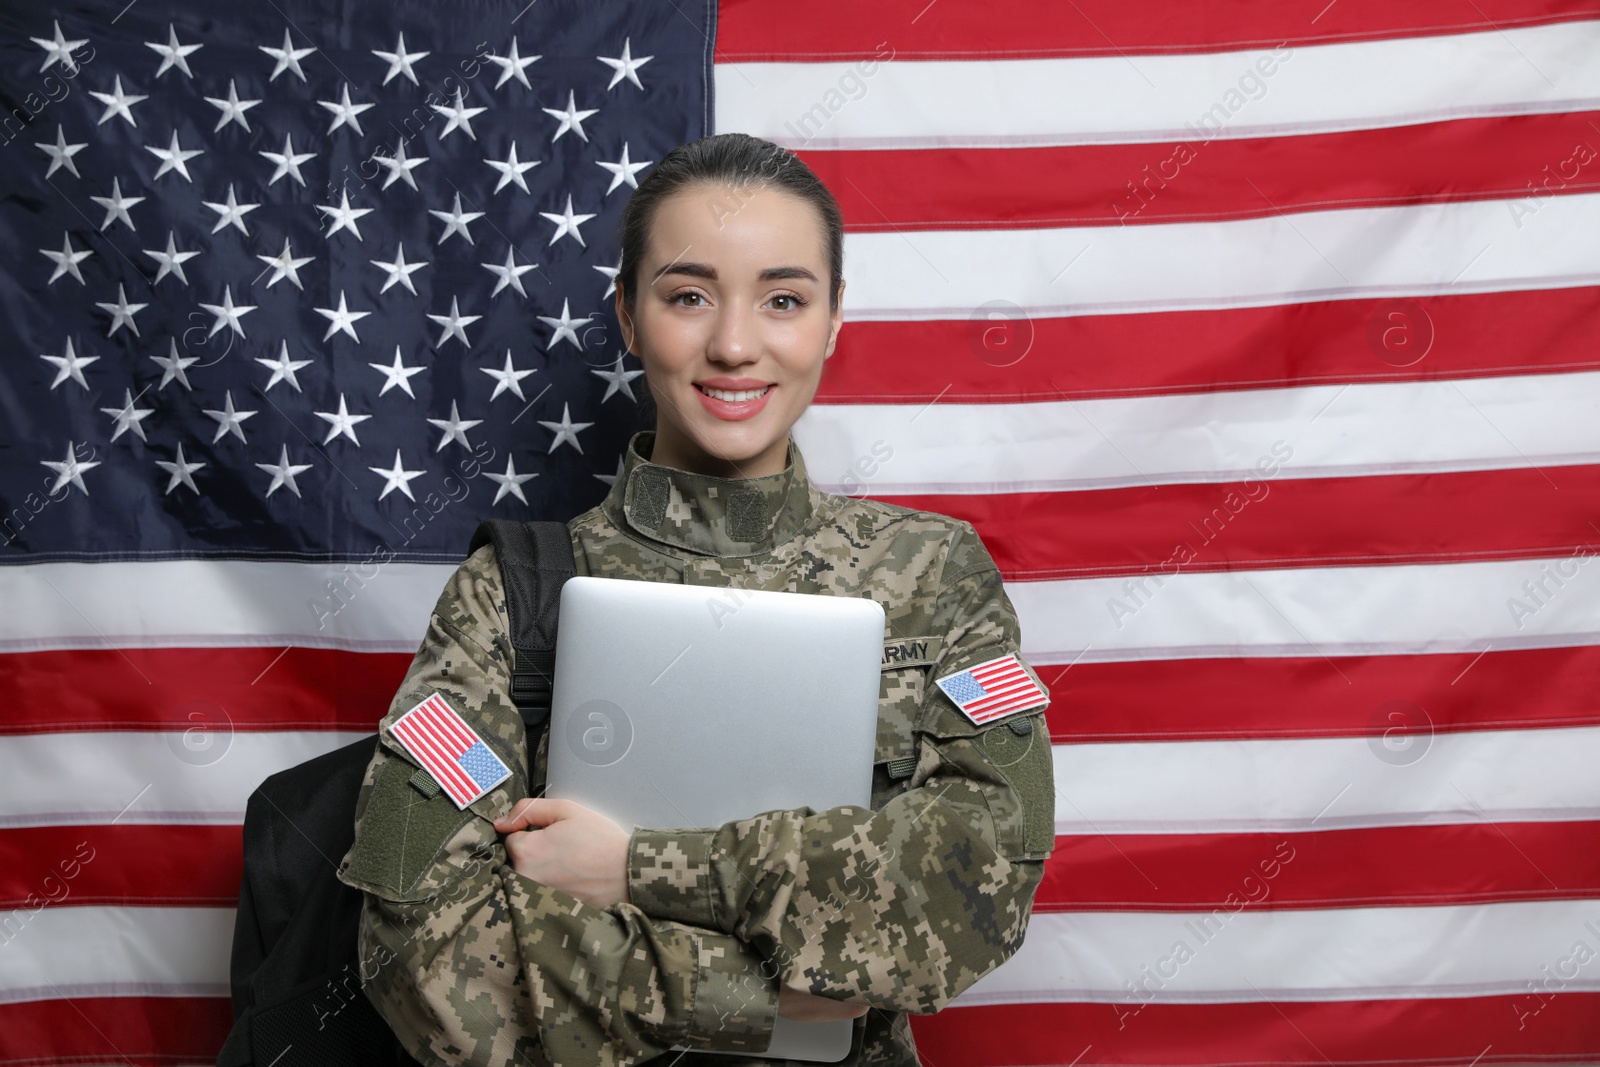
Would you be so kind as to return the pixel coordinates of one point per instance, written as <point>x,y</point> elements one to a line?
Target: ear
<point>838,321</point>
<point>626,322</point>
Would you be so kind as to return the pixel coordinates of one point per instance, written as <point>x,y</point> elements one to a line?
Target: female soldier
<point>536,930</point>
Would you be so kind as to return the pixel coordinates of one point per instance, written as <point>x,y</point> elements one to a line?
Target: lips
<point>734,404</point>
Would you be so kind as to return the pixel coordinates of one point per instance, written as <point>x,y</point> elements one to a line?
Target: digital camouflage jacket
<point>902,906</point>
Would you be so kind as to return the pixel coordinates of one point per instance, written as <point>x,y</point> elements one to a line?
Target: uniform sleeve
<point>472,963</point>
<point>906,906</point>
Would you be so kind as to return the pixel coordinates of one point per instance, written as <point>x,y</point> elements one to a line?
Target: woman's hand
<point>571,848</point>
<point>806,1007</point>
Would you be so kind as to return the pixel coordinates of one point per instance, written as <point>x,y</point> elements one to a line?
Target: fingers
<point>531,811</point>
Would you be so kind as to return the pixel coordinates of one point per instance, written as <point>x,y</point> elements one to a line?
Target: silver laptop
<point>679,706</point>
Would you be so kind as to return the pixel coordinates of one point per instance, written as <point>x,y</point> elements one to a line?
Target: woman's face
<point>732,324</point>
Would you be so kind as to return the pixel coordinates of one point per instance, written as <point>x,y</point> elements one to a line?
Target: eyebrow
<point>705,270</point>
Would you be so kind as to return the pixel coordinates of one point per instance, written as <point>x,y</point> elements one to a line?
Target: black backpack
<point>297,999</point>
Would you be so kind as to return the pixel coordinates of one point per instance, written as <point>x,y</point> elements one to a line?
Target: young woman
<point>530,930</point>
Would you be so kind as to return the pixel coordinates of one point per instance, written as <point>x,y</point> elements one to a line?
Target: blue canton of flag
<point>296,282</point>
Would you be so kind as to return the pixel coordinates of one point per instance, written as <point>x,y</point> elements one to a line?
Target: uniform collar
<point>705,514</point>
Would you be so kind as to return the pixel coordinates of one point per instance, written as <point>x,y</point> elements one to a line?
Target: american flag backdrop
<point>1260,341</point>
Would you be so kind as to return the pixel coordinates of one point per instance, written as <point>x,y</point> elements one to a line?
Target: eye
<point>795,301</point>
<point>685,293</point>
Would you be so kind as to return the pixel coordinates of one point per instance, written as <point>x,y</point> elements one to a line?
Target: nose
<point>735,336</point>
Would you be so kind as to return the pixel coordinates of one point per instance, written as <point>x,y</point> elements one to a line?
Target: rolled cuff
<point>669,876</point>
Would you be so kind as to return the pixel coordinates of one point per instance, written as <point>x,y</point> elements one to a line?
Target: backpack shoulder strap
<point>535,562</point>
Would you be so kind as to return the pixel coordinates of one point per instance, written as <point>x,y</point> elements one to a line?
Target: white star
<point>452,324</point>
<point>172,53</point>
<point>174,157</point>
<point>341,422</point>
<point>71,470</point>
<point>455,428</point>
<point>563,327</point>
<point>61,153</point>
<point>611,277</point>
<point>399,271</point>
<point>623,170</point>
<point>460,117</point>
<point>566,222</point>
<point>229,420</point>
<point>397,374</point>
<point>456,221</point>
<point>509,482</point>
<point>344,216</point>
<point>231,213</point>
<point>69,366</point>
<point>345,113</point>
<point>171,260</point>
<point>617,380</point>
<point>283,472</point>
<point>399,63</point>
<point>232,108</point>
<point>174,365</point>
<point>400,166</point>
<point>59,50</point>
<point>288,161</point>
<point>566,429</point>
<point>396,478</point>
<point>118,103</point>
<point>512,66</point>
<point>122,312</point>
<point>571,118</point>
<point>117,205</point>
<point>341,319</point>
<point>66,260</point>
<point>283,368</point>
<point>508,380</point>
<point>512,170</point>
<point>625,66</point>
<point>288,57</point>
<point>509,274</point>
<point>611,479</point>
<point>228,313</point>
<point>129,417</point>
<point>180,471</point>
<point>285,265</point>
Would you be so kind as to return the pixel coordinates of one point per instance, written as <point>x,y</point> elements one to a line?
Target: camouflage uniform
<point>902,906</point>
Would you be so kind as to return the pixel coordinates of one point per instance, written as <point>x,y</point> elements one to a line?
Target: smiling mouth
<point>735,396</point>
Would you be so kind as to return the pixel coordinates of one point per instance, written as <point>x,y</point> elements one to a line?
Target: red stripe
<point>413,730</point>
<point>185,865</point>
<point>1085,356</point>
<point>918,29</point>
<point>444,716</point>
<point>1246,697</point>
<point>162,688</point>
<point>444,731</point>
<point>1473,863</point>
<point>1445,517</point>
<point>145,1031</point>
<point>1563,1028</point>
<point>188,865</point>
<point>1205,178</point>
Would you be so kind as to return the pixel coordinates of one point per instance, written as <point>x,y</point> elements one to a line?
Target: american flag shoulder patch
<point>992,689</point>
<point>438,737</point>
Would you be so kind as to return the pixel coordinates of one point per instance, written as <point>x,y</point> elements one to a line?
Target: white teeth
<point>734,396</point>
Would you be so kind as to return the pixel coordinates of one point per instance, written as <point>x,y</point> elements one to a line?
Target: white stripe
<point>218,604</point>
<point>1328,783</point>
<point>115,951</point>
<point>165,777</point>
<point>1454,248</point>
<point>1316,431</point>
<point>1311,611</point>
<point>1310,88</point>
<point>1251,955</point>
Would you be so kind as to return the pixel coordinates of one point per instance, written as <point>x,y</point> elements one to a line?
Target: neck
<point>673,450</point>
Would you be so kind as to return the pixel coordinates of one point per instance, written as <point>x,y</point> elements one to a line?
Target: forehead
<point>758,225</point>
